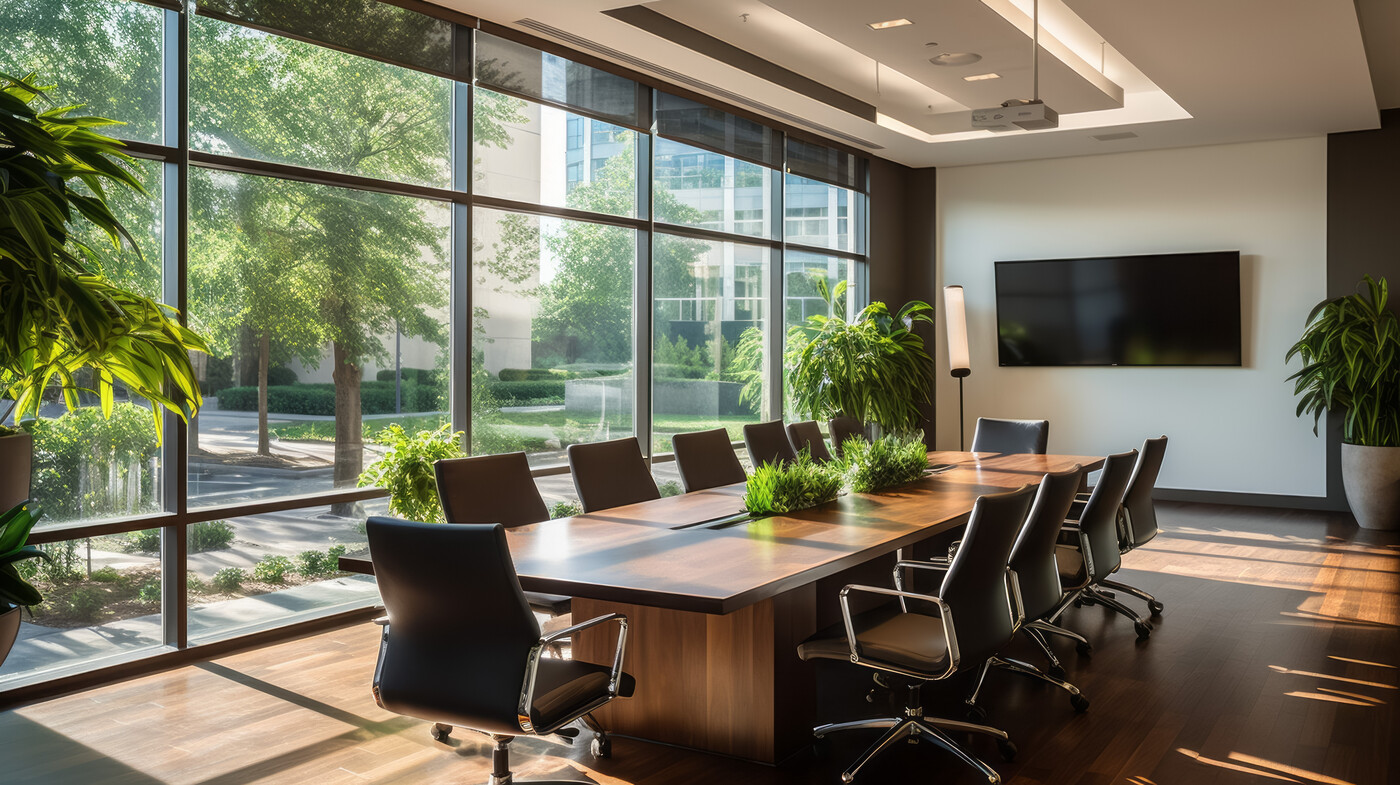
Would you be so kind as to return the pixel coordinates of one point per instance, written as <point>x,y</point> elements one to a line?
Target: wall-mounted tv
<point>1164,309</point>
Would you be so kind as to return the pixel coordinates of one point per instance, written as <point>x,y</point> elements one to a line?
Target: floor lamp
<point>955,312</point>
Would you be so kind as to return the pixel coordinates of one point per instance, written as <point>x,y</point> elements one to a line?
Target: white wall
<point>1231,429</point>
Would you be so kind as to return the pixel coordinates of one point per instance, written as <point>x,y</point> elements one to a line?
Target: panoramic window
<point>818,214</point>
<point>695,187</point>
<point>805,275</point>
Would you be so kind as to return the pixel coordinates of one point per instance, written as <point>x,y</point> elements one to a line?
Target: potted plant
<point>15,592</point>
<point>60,316</point>
<point>872,368</point>
<point>1349,353</point>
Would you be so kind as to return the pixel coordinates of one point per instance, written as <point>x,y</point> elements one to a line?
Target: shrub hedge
<point>319,399</point>
<point>517,393</point>
<point>533,374</point>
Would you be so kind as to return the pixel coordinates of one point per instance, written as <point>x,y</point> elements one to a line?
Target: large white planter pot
<point>1371,477</point>
<point>16,457</point>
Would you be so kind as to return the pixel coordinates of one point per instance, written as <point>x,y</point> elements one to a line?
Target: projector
<point>1025,114</point>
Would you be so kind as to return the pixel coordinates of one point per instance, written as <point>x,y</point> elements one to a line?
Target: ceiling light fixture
<point>981,77</point>
<point>955,58</point>
<point>889,24</point>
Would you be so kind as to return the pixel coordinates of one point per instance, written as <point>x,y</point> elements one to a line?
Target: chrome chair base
<point>914,729</point>
<point>1154,606</point>
<point>1076,698</point>
<point>1141,626</point>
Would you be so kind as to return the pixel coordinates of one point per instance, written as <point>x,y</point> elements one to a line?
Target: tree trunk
<point>264,357</point>
<point>200,362</point>
<point>349,428</point>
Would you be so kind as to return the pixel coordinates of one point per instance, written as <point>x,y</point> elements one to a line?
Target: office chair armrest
<point>944,612</point>
<point>382,621</point>
<point>1017,607</point>
<point>532,663</point>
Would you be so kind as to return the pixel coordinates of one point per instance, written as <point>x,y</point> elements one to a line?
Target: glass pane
<point>523,69</point>
<point>694,187</point>
<point>87,467</point>
<point>819,162</point>
<point>818,214</point>
<point>688,121</point>
<point>707,335</point>
<point>552,352</point>
<point>101,600</point>
<point>802,299</point>
<point>261,96</point>
<point>105,54</point>
<point>335,302</point>
<point>530,152</point>
<point>378,29</point>
<point>262,571</point>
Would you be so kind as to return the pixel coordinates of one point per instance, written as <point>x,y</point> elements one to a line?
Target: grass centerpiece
<point>885,462</point>
<point>777,488</point>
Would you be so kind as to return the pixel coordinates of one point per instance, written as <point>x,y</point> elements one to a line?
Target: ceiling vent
<point>1115,137</point>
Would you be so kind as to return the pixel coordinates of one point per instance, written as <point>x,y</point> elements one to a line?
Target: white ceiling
<point>1179,73</point>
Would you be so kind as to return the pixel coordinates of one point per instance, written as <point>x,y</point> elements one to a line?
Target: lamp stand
<point>962,421</point>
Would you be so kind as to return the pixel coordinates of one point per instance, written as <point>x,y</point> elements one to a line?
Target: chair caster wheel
<point>1156,607</point>
<point>976,713</point>
<point>870,696</point>
<point>1007,749</point>
<point>440,732</point>
<point>601,748</point>
<point>1143,629</point>
<point>1057,671</point>
<point>1082,603</point>
<point>1084,649</point>
<point>1079,702</point>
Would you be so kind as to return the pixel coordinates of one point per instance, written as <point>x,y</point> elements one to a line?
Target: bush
<point>775,488</point>
<point>319,399</point>
<point>210,536</point>
<point>533,374</point>
<point>521,392</point>
<point>311,563</point>
<point>406,470</point>
<point>683,372</point>
<point>193,584</point>
<point>886,462</point>
<point>107,575</point>
<point>229,580</point>
<point>428,376</point>
<point>670,488</point>
<point>149,591</point>
<point>280,376</point>
<point>272,569</point>
<point>88,466</point>
<point>565,509</point>
<point>144,541</point>
<point>86,602</point>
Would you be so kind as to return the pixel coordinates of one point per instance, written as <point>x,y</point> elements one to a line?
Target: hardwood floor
<point>1277,660</point>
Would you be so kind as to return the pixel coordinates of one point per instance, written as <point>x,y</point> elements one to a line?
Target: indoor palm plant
<point>1349,352</point>
<point>15,591</point>
<point>58,315</point>
<point>872,368</point>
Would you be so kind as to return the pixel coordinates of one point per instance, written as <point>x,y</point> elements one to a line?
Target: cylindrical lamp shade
<point>956,314</point>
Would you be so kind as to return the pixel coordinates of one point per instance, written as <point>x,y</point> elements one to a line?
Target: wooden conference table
<point>717,610</point>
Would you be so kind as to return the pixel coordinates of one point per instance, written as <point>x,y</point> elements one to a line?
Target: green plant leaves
<point>884,463</point>
<point>15,525</point>
<point>777,488</point>
<point>406,470</point>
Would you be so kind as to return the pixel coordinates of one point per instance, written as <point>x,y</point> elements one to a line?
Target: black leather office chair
<point>1088,547</point>
<point>706,459</point>
<point>611,474</point>
<point>460,646</point>
<point>808,434</point>
<point>767,442</point>
<point>976,617</point>
<point>1011,436</point>
<point>1137,518</point>
<point>843,428</point>
<point>1033,562</point>
<point>496,489</point>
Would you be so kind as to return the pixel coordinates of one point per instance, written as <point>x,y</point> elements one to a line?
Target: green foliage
<point>874,368</point>
<point>87,602</point>
<point>426,376</point>
<point>670,488</point>
<point>209,536</point>
<point>87,465</point>
<point>310,563</point>
<point>15,525</point>
<point>406,470</point>
<point>534,374</point>
<point>272,569</point>
<point>149,591</point>
<point>566,509</point>
<point>776,488</point>
<point>106,575</point>
<point>1349,352</point>
<point>888,461</point>
<point>144,541</point>
<point>61,316</point>
<point>525,393</point>
<point>193,584</point>
<point>229,580</point>
<point>319,399</point>
<point>64,563</point>
<point>281,376</point>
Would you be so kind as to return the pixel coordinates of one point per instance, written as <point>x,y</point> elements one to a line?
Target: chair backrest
<point>767,442</point>
<point>1033,555</point>
<point>1011,436</point>
<point>1137,502</point>
<point>843,428</point>
<point>975,587</point>
<point>611,474</point>
<point>460,630</point>
<point>1099,520</point>
<point>489,489</point>
<point>808,434</point>
<point>706,459</point>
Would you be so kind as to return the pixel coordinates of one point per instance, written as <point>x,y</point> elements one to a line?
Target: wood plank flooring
<point>1277,660</point>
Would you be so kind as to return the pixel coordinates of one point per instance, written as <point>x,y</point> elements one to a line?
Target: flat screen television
<point>1163,309</point>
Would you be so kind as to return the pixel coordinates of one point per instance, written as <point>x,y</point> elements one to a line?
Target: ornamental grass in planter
<point>885,462</point>
<point>778,488</point>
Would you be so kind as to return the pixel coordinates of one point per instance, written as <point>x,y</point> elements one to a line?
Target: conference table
<point>717,607</point>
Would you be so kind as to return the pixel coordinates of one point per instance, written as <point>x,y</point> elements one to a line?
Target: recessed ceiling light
<point>955,58</point>
<point>889,24</point>
<point>981,77</point>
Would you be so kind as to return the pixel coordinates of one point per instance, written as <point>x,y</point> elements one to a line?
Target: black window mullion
<point>642,302</point>
<point>460,323</point>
